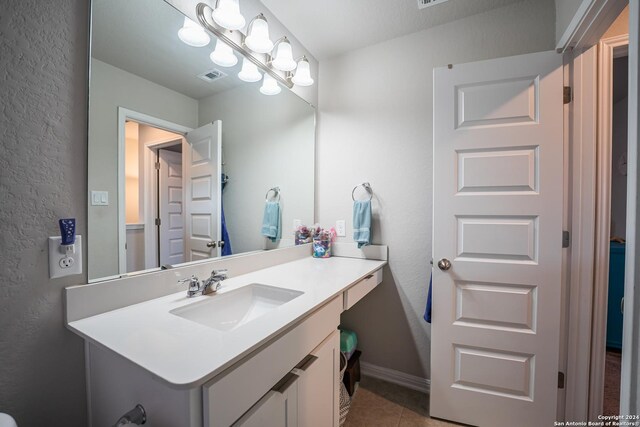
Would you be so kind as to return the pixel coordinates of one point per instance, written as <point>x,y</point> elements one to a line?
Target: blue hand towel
<point>362,222</point>
<point>427,311</point>
<point>271,226</point>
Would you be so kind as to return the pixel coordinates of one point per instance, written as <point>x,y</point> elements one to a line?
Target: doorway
<point>617,244</point>
<point>154,197</point>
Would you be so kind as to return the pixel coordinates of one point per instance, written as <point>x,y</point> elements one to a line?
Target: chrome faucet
<point>209,285</point>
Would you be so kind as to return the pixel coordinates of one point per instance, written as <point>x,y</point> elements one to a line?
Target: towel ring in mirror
<point>276,194</point>
<point>364,185</point>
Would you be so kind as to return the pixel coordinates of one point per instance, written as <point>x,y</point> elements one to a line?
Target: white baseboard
<point>396,377</point>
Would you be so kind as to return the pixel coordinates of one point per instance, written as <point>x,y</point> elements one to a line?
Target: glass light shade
<point>284,57</point>
<point>193,34</point>
<point>227,14</point>
<point>258,38</point>
<point>249,72</point>
<point>302,77</point>
<point>223,55</point>
<point>269,86</point>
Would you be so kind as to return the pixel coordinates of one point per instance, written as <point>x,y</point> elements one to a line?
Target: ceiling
<point>331,27</point>
<point>141,37</point>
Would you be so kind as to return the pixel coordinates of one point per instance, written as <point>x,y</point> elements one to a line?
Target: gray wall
<point>111,88</point>
<point>43,119</point>
<point>375,124</point>
<point>267,141</point>
<point>565,11</point>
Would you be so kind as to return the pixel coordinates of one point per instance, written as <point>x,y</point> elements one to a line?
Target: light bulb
<point>249,72</point>
<point>193,34</point>
<point>302,77</point>
<point>223,55</point>
<point>227,14</point>
<point>283,60</point>
<point>258,36</point>
<point>269,86</point>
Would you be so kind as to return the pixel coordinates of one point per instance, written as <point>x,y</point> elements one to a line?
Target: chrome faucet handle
<point>214,282</point>
<point>194,283</point>
<point>219,274</point>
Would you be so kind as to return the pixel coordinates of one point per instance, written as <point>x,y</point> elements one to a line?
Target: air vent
<point>426,3</point>
<point>212,75</point>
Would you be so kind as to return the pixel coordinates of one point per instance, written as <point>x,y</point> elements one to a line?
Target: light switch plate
<point>61,262</point>
<point>341,228</point>
<point>99,198</point>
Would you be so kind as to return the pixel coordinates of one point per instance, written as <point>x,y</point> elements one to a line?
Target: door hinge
<point>158,221</point>
<point>567,94</point>
<point>566,239</point>
<point>560,380</point>
<point>157,166</point>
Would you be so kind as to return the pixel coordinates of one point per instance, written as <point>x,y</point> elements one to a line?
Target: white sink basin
<point>230,310</point>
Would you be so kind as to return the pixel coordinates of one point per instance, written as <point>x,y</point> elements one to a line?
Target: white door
<point>498,182</point>
<point>171,208</point>
<point>202,169</point>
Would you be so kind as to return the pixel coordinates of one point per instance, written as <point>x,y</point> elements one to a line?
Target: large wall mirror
<point>182,153</point>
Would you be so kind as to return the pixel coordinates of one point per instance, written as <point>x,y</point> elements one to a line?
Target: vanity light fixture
<point>193,34</point>
<point>269,86</point>
<point>249,72</point>
<point>283,59</point>
<point>302,77</point>
<point>258,35</point>
<point>223,55</point>
<point>227,14</point>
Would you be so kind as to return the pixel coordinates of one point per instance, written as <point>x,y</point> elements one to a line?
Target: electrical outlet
<point>297,223</point>
<point>64,260</point>
<point>341,228</point>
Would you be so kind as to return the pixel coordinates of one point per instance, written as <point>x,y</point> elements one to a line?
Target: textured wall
<point>375,124</point>
<point>43,62</point>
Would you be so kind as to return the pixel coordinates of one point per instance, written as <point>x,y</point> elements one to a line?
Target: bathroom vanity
<point>262,351</point>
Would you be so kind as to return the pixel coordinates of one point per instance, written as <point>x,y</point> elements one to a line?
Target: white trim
<point>135,227</point>
<point>606,49</point>
<point>412,382</point>
<point>629,387</point>
<point>582,128</point>
<point>123,115</point>
<point>590,22</point>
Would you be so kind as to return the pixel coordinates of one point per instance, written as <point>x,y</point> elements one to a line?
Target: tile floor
<point>378,403</point>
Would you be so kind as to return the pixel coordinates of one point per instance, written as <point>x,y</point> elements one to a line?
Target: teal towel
<point>362,222</point>
<point>271,223</point>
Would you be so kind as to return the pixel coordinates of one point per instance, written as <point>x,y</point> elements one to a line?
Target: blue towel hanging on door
<point>226,249</point>
<point>427,311</point>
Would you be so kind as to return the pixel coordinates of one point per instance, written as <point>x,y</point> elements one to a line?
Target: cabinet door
<point>319,385</point>
<point>277,408</point>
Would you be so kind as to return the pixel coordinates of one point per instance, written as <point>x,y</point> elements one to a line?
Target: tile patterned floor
<point>378,403</point>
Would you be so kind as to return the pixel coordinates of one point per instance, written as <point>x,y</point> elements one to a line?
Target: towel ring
<point>276,191</point>
<point>364,185</point>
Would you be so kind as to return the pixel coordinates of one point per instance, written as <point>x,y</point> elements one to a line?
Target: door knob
<point>212,244</point>
<point>444,264</point>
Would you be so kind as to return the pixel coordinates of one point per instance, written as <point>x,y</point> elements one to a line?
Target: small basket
<point>321,247</point>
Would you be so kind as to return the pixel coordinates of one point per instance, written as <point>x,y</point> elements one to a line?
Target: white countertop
<point>186,354</point>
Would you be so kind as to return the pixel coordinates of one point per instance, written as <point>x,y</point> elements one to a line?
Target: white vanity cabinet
<point>287,377</point>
